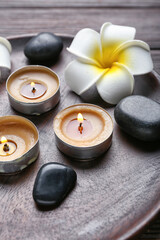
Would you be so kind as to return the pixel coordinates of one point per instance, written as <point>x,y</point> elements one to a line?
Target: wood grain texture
<point>70,21</point>
<point>80,3</point>
<point>114,195</point>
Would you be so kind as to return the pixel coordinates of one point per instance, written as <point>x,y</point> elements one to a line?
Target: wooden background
<point>67,17</point>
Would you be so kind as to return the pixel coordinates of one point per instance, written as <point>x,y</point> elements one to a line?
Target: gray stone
<point>139,116</point>
<point>43,47</point>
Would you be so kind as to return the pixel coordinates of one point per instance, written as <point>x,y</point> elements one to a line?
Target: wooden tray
<point>115,196</point>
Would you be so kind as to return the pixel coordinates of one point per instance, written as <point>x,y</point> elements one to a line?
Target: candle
<point>5,62</point>
<point>33,89</point>
<point>83,131</point>
<point>78,128</point>
<point>19,144</point>
<point>7,147</point>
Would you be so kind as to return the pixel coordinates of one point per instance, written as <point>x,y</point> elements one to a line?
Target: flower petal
<point>112,36</point>
<point>86,46</point>
<point>136,56</point>
<point>80,76</point>
<point>116,84</point>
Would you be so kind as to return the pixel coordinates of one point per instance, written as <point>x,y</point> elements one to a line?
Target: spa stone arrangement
<point>104,66</point>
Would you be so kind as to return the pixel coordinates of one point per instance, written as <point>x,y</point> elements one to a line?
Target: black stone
<point>140,117</point>
<point>43,47</point>
<point>53,182</point>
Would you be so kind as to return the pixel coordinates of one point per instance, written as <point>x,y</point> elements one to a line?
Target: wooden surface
<point>22,17</point>
<point>81,3</point>
<point>115,195</point>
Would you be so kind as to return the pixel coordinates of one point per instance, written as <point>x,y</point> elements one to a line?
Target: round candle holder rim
<point>87,104</point>
<point>31,103</point>
<point>37,141</point>
<point>34,68</point>
<point>22,156</point>
<point>86,147</point>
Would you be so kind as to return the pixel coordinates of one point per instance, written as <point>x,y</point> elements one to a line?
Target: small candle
<point>83,131</point>
<point>19,144</point>
<point>33,89</point>
<point>79,128</point>
<point>7,147</point>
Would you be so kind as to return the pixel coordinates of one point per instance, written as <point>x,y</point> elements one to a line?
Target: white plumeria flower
<point>109,60</point>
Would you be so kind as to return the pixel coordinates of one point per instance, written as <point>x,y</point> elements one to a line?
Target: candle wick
<point>6,147</point>
<point>33,89</point>
<point>80,128</point>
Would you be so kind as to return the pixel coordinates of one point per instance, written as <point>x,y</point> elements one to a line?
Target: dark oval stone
<point>53,182</point>
<point>140,117</point>
<point>43,47</point>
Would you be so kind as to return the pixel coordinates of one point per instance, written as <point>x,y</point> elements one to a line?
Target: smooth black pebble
<point>140,117</point>
<point>53,182</point>
<point>43,47</point>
